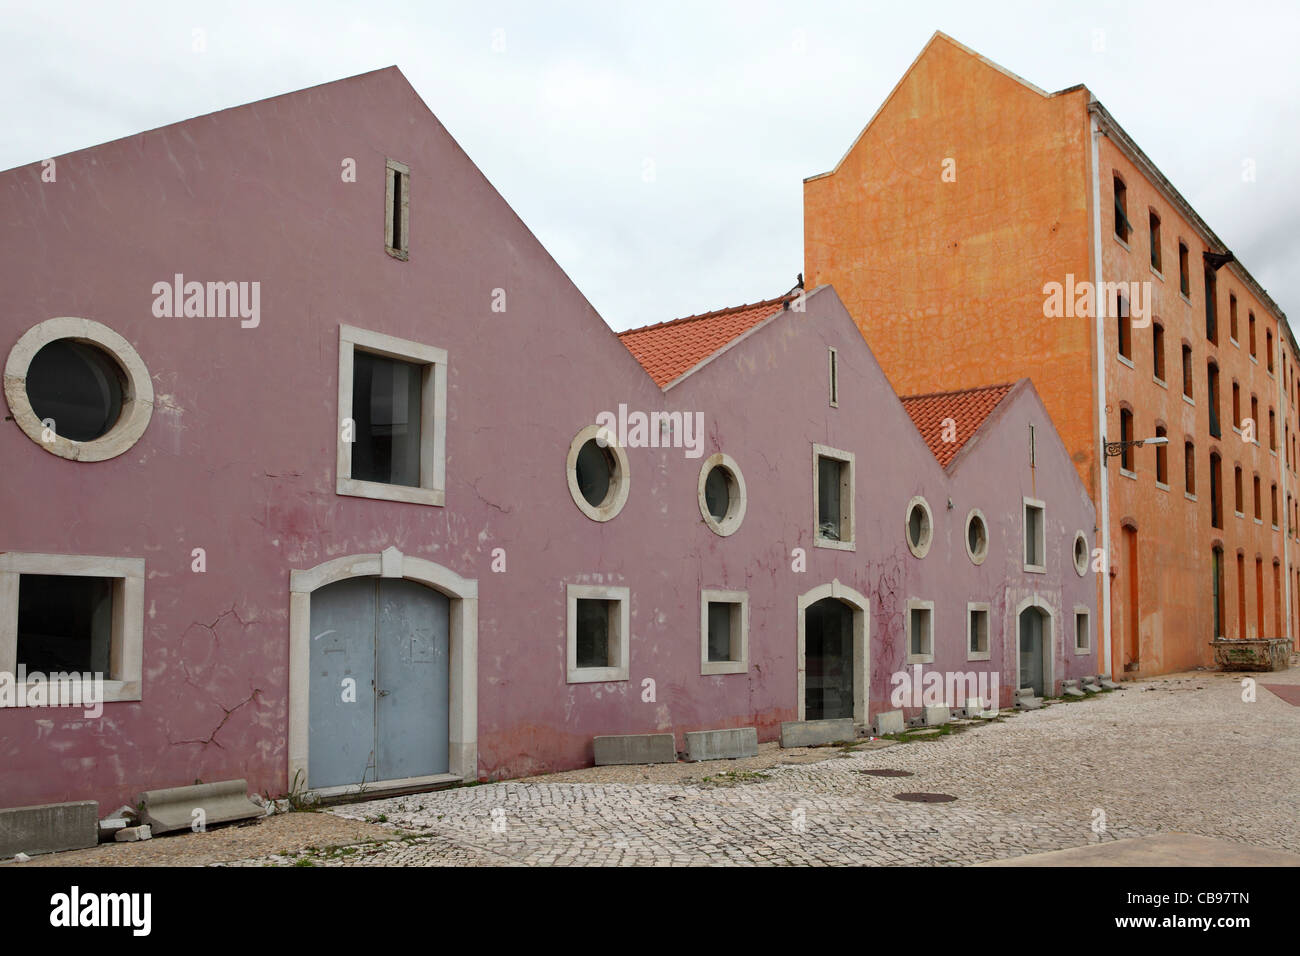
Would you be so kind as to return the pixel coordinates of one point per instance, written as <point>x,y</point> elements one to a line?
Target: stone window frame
<point>432,489</point>
<point>403,174</point>
<point>1080,569</point>
<point>126,649</point>
<point>137,391</point>
<point>739,631</point>
<point>848,520</point>
<point>927,655</point>
<point>1026,504</point>
<point>620,594</point>
<point>1080,611</point>
<point>920,548</point>
<point>986,608</point>
<point>738,499</point>
<point>620,481</point>
<point>976,558</point>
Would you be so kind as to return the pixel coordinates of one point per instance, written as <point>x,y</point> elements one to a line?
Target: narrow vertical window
<point>397,210</point>
<point>1268,348</point>
<point>1158,350</point>
<point>1122,227</point>
<point>1259,514</point>
<point>1125,436</point>
<point>1189,467</point>
<point>1216,491</point>
<point>1162,457</point>
<point>1125,327</point>
<point>1250,322</point>
<point>834,379</point>
<point>1232,317</point>
<point>1238,497</point>
<point>1155,241</point>
<point>1211,306</point>
<point>1212,388</point>
<point>1236,406</point>
<point>1187,371</point>
<point>1184,276</point>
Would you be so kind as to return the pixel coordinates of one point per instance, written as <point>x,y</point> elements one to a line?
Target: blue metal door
<point>379,682</point>
<point>411,677</point>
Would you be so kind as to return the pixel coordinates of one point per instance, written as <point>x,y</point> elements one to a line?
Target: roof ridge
<point>781,299</point>
<point>957,391</point>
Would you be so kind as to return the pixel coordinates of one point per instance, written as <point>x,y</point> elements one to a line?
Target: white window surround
<point>123,682</point>
<point>433,418</point>
<point>976,557</point>
<point>1081,567</point>
<point>620,639</point>
<point>1080,611</point>
<point>403,171</point>
<point>1027,503</point>
<point>987,653</point>
<point>739,631</point>
<point>137,392</point>
<point>847,509</point>
<point>462,701</point>
<point>919,548</point>
<point>619,482</point>
<point>927,654</point>
<point>737,501</point>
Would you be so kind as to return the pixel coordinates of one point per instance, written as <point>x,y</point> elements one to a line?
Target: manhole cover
<point>886,772</point>
<point>926,797</point>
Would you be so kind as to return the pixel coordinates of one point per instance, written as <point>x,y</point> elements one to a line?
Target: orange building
<point>981,230</point>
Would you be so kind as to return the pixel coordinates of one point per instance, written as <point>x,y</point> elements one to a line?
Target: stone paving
<point>1182,754</point>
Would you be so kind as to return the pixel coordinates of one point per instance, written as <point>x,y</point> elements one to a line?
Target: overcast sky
<point>565,108</point>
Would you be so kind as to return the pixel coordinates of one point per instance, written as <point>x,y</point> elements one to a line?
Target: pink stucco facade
<point>239,457</point>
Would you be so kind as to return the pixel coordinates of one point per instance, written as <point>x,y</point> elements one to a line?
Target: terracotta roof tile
<point>968,408</point>
<point>669,350</point>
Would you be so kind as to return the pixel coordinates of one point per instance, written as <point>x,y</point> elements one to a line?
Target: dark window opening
<point>1162,457</point>
<point>831,478</point>
<point>1212,377</point>
<point>1216,491</point>
<point>1125,327</point>
<point>723,618</point>
<point>1155,241</point>
<point>1158,350</point>
<point>1189,467</point>
<point>1211,306</point>
<point>595,628</point>
<point>1184,275</point>
<point>1187,370</point>
<point>65,623</point>
<point>1122,225</point>
<point>386,398</point>
<point>77,385</point>
<point>596,468</point>
<point>1126,435</point>
<point>717,492</point>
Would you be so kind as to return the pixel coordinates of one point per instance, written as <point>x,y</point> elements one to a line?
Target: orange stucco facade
<point>967,194</point>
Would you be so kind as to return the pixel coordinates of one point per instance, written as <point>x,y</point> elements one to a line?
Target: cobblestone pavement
<point>1183,754</point>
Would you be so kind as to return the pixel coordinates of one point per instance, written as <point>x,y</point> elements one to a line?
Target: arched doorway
<point>834,665</point>
<point>383,674</point>
<point>1034,666</point>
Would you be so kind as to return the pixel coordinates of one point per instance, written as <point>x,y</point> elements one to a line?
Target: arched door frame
<point>1049,643</point>
<point>462,725</point>
<point>861,608</point>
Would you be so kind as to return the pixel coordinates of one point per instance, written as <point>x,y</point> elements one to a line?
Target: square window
<point>392,418</point>
<point>977,632</point>
<point>1035,531</point>
<point>597,633</point>
<point>920,632</point>
<point>833,497</point>
<point>78,617</point>
<point>724,632</point>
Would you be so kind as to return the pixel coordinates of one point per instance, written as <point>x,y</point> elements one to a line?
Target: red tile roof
<point>669,350</point>
<point>968,408</point>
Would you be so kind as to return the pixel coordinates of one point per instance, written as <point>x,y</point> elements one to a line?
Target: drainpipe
<point>1103,518</point>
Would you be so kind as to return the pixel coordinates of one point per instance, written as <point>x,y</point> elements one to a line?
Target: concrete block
<point>936,716</point>
<point>726,744</point>
<point>1070,688</point>
<point>49,828</point>
<point>109,827</point>
<point>1025,699</point>
<point>174,808</point>
<point>888,722</point>
<point>634,748</point>
<point>813,733</point>
<point>1108,684</point>
<point>133,834</point>
<point>1091,685</point>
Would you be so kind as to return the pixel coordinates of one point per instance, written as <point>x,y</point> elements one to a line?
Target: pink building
<point>303,456</point>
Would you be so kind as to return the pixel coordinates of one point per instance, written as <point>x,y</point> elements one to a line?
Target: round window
<point>597,473</point>
<point>596,467</point>
<point>1080,554</point>
<point>977,537</point>
<point>78,389</point>
<point>919,527</point>
<point>722,494</point>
